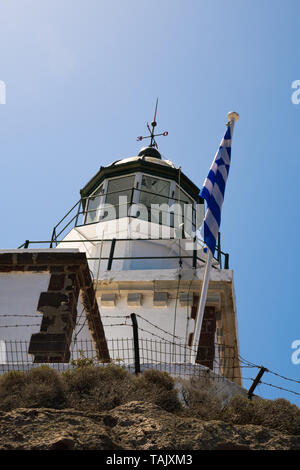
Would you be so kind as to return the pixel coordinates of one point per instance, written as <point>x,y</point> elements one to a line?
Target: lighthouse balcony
<point>139,222</point>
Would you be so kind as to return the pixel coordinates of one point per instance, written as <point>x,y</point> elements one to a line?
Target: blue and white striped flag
<point>213,191</point>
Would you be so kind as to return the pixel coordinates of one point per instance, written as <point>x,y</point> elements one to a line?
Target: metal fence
<point>153,354</point>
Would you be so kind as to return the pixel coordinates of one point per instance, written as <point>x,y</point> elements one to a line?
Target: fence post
<point>195,254</point>
<point>136,343</point>
<point>256,382</point>
<point>53,237</point>
<point>111,254</point>
<point>226,261</point>
<point>219,250</point>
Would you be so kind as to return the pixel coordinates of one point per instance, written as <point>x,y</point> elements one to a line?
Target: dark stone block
<point>9,269</point>
<point>51,299</point>
<point>37,268</point>
<point>24,259</point>
<point>6,258</point>
<point>72,268</point>
<point>56,269</point>
<point>57,258</point>
<point>41,344</point>
<point>46,322</point>
<point>66,317</point>
<point>40,359</point>
<point>72,277</point>
<point>19,267</point>
<point>52,358</point>
<point>57,282</point>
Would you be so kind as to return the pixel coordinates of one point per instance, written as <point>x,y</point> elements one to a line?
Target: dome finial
<point>152,135</point>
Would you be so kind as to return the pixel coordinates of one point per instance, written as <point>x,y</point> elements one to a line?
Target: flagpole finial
<point>233,116</point>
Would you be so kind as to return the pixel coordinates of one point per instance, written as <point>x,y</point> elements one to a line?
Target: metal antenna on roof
<point>151,131</point>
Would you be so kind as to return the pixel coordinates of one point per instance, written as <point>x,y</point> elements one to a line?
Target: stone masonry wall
<point>70,276</point>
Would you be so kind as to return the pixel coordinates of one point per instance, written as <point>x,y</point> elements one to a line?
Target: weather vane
<point>152,135</point>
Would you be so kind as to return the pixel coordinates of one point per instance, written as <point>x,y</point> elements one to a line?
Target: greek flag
<point>213,191</point>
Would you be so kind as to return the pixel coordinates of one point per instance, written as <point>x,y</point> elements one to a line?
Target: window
<point>93,204</point>
<point>154,191</point>
<point>116,188</point>
<point>184,210</point>
<point>119,187</point>
<point>121,192</point>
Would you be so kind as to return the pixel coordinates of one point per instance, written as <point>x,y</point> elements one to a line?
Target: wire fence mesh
<point>153,354</point>
<point>165,356</point>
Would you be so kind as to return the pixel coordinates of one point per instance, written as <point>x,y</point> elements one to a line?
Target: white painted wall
<point>116,332</point>
<point>3,357</point>
<point>19,295</point>
<point>132,233</point>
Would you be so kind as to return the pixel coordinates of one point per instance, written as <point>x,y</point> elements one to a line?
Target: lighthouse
<point>126,263</point>
<point>137,221</point>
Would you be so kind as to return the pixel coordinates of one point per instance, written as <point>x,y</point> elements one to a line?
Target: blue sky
<point>81,81</point>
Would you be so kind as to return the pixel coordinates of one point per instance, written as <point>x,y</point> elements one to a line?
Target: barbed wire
<point>282,377</point>
<point>17,326</point>
<point>159,328</point>
<point>18,315</point>
<point>115,316</point>
<point>280,388</point>
<point>243,363</point>
<point>251,364</point>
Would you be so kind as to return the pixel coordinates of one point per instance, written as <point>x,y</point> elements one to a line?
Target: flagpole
<point>202,303</point>
<point>232,117</point>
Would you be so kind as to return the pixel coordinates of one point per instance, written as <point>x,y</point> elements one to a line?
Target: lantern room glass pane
<point>184,198</point>
<point>116,188</point>
<point>154,191</point>
<point>184,210</point>
<point>93,204</point>
<point>119,187</point>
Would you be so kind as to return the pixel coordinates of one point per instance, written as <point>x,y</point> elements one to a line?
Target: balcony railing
<point>77,216</point>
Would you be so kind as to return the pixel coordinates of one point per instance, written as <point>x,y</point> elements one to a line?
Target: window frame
<point>136,194</point>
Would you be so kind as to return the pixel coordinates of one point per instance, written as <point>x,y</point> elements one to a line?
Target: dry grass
<point>87,387</point>
<point>97,388</point>
<point>40,387</point>
<point>275,414</point>
<point>199,399</point>
<point>158,388</point>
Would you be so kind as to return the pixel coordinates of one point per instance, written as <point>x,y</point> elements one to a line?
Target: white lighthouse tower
<point>137,222</point>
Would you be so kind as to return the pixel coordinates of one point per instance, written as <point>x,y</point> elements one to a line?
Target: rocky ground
<point>136,425</point>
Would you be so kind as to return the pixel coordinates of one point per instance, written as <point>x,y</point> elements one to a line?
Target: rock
<point>62,443</point>
<point>135,425</point>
